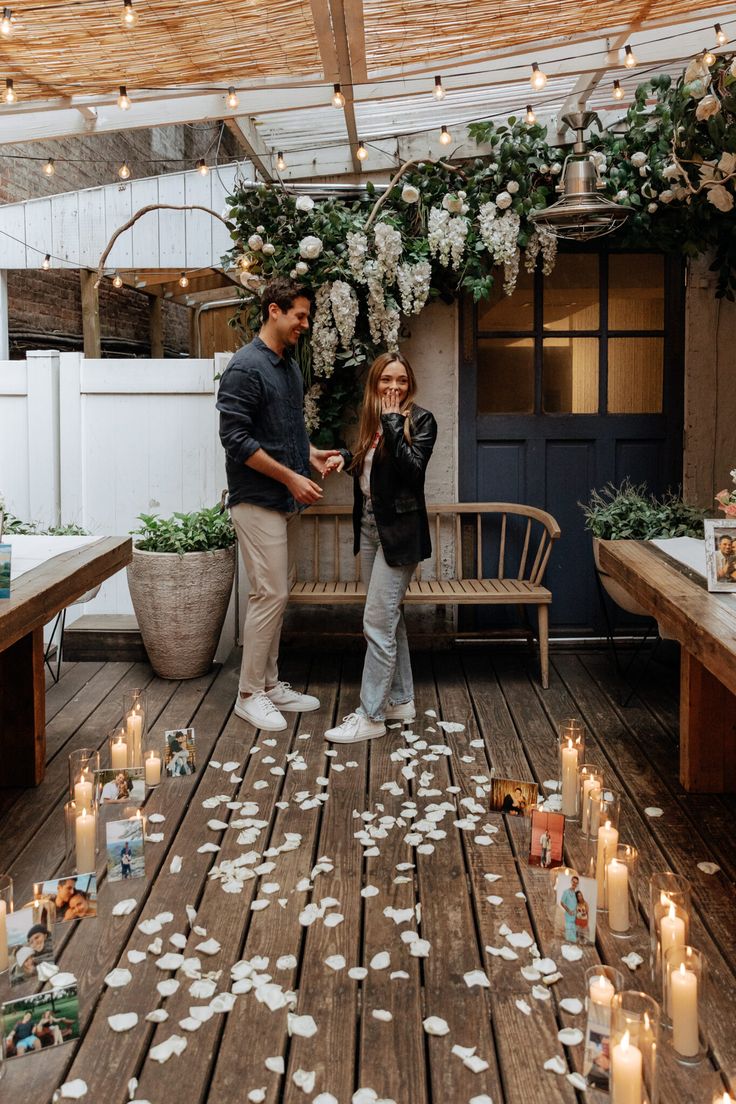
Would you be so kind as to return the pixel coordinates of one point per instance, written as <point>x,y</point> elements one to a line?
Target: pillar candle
<point>590,785</point>
<point>617,875</point>
<point>135,732</point>
<point>85,831</point>
<point>671,931</point>
<point>626,1073</point>
<point>153,769</point>
<point>119,754</point>
<point>607,843</point>
<point>594,821</point>
<point>684,1011</point>
<point>569,779</point>
<point>601,990</point>
<point>3,938</point>
<point>83,790</point>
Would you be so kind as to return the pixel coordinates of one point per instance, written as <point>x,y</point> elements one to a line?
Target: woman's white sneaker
<point>355,728</point>
<point>291,701</point>
<point>406,712</point>
<point>260,711</point>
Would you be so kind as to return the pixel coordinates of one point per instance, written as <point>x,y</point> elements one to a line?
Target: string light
<point>445,136</point>
<point>6,22</point>
<point>10,95</point>
<point>439,91</point>
<point>618,92</point>
<point>232,97</point>
<point>124,171</point>
<point>721,36</point>
<point>361,153</point>
<point>184,280</point>
<point>46,262</point>
<point>49,167</point>
<point>709,57</point>
<point>531,118</point>
<point>129,16</point>
<point>202,167</point>
<point>338,100</point>
<point>280,161</point>
<point>629,58</point>
<point>538,79</point>
<point>117,280</point>
<point>123,98</point>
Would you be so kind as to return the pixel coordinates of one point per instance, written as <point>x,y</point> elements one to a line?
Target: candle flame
<point>672,911</point>
<point>569,742</point>
<point>664,899</point>
<point>625,1040</point>
<point>608,824</point>
<point>682,970</point>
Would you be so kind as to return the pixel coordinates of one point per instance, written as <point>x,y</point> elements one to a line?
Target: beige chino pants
<point>268,543</point>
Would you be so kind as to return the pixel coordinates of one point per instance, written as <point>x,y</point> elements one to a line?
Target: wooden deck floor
<point>497,697</point>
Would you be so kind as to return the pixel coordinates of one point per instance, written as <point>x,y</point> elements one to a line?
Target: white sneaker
<point>260,711</point>
<point>291,701</point>
<point>355,728</point>
<point>404,712</point>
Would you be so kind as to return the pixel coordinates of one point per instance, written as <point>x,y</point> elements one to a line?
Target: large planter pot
<point>613,589</point>
<point>180,603</point>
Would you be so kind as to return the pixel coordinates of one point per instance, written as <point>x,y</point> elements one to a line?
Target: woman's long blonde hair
<point>370,413</point>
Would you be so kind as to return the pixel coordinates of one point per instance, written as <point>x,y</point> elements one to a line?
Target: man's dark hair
<point>283,292</point>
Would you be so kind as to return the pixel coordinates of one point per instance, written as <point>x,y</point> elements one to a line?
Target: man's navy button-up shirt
<point>261,404</point>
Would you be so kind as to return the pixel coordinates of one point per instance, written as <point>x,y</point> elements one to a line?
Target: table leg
<point>707,730</point>
<point>23,712</point>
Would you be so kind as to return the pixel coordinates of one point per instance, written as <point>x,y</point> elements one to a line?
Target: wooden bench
<point>484,553</point>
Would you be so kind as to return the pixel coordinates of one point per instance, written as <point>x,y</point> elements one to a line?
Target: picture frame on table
<point>720,555</point>
<point>120,785</point>
<point>40,1021</point>
<point>512,796</point>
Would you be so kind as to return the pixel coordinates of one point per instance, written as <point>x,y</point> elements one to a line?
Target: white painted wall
<point>29,436</point>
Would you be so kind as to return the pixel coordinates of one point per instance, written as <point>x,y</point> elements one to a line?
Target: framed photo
<point>5,554</point>
<point>576,899</point>
<point>124,848</point>
<point>30,941</point>
<point>180,755</point>
<point>512,796</point>
<point>74,897</point>
<point>720,554</point>
<point>120,785</point>
<point>547,836</point>
<point>40,1021</point>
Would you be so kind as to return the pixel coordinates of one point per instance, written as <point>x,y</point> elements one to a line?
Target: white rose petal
<point>176,1044</point>
<point>556,1065</point>
<point>571,1005</point>
<point>706,867</point>
<point>116,979</point>
<point>74,1090</point>
<point>301,1025</point>
<point>435,1025</point>
<point>570,1036</point>
<point>124,1021</point>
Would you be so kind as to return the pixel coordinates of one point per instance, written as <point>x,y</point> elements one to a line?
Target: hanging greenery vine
<point>443,230</point>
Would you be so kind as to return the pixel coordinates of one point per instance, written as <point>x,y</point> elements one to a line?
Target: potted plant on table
<point>180,581</point>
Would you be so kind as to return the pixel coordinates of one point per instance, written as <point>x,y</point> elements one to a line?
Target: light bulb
<point>531,118</point>
<point>721,36</point>
<point>232,97</point>
<point>202,167</point>
<point>123,98</point>
<point>338,100</point>
<point>183,280</point>
<point>629,59</point>
<point>6,22</point>
<point>361,153</point>
<point>709,57</point>
<point>618,92</point>
<point>124,171</point>
<point>117,280</point>
<point>46,262</point>
<point>538,79</point>
<point>49,167</point>
<point>128,16</point>
<point>10,95</point>
<point>280,162</point>
<point>439,92</point>
<point>445,136</point>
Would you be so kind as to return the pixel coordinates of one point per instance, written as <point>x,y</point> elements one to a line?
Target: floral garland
<point>444,230</point>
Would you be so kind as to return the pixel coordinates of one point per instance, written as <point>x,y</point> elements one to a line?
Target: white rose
<point>301,268</point>
<point>667,196</point>
<point>260,229</point>
<point>310,247</point>
<point>696,70</point>
<point>304,203</point>
<point>555,168</point>
<point>732,68</point>
<point>512,187</point>
<point>462,195</point>
<point>671,171</point>
<point>707,107</point>
<point>251,281</point>
<point>651,208</point>
<point>720,197</point>
<point>452,203</point>
<point>503,200</point>
<point>638,159</point>
<point>697,89</point>
<point>623,194</point>
<point>544,169</point>
<point>269,249</point>
<point>409,193</point>
<point>727,163</point>
<point>293,274</point>
<point>255,242</point>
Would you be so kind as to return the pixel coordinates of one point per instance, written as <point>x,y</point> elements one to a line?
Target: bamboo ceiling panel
<point>420,31</point>
<point>62,50</point>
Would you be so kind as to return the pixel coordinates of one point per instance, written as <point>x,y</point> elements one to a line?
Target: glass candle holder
<point>669,917</point>
<point>82,766</point>
<point>620,891</point>
<point>634,1046</point>
<point>685,1001</point>
<point>6,906</point>
<point>571,751</point>
<point>591,781</point>
<point>601,982</point>
<point>134,723</point>
<point>81,837</point>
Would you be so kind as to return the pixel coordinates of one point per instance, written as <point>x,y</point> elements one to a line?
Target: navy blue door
<point>573,381</point>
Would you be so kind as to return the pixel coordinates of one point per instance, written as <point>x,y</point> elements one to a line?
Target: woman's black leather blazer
<point>397,489</point>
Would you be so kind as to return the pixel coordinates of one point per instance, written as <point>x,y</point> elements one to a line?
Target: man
<point>725,559</point>
<point>569,905</point>
<point>22,1035</point>
<point>268,454</point>
<point>545,843</point>
<point>64,890</point>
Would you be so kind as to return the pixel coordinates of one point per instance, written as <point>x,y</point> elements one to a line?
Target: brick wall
<point>45,307</point>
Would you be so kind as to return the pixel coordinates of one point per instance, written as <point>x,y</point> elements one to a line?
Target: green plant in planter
<point>203,530</point>
<point>630,512</point>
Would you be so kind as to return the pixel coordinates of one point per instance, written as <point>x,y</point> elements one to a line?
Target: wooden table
<point>705,626</point>
<point>35,599</point>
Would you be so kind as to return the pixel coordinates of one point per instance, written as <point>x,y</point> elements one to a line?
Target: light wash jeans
<point>387,668</point>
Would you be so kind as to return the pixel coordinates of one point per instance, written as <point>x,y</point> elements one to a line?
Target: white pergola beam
<point>245,131</point>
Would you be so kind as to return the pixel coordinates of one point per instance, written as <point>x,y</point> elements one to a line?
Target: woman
<point>581,918</point>
<point>391,532</point>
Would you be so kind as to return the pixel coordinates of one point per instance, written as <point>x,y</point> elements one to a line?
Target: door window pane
<point>570,375</point>
<point>571,293</point>
<point>505,375</point>
<point>636,291</point>
<point>508,312</point>
<point>635,370</point>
